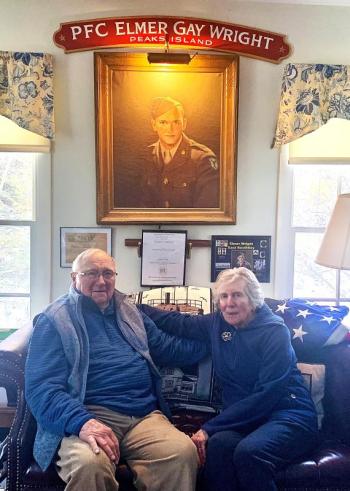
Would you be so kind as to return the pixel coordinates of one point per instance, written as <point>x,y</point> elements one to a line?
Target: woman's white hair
<point>252,286</point>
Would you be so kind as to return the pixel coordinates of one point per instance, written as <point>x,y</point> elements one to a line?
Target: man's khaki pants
<point>161,457</point>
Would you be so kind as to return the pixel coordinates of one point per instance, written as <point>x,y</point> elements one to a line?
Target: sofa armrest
<point>13,352</point>
<point>336,402</point>
<point>17,450</point>
<point>14,348</point>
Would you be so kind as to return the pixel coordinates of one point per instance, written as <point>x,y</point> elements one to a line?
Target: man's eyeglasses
<point>93,274</point>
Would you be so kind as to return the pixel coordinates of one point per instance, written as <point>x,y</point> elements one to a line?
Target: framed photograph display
<point>163,258</point>
<point>233,251</point>
<point>75,240</point>
<point>166,138</point>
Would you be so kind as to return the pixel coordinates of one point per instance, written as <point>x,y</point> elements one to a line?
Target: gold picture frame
<point>127,89</point>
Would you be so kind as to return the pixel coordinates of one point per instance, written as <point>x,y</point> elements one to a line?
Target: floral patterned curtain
<point>311,95</point>
<point>26,93</point>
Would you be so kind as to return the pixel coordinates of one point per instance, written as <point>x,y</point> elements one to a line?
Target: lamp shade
<point>334,251</point>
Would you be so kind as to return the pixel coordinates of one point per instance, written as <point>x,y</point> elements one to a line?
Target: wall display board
<point>233,251</point>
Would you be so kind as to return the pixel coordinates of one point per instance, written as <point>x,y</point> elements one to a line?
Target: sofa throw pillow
<point>314,378</point>
<point>312,326</point>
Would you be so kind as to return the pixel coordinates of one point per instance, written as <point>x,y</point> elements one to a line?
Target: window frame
<point>286,233</point>
<point>40,231</point>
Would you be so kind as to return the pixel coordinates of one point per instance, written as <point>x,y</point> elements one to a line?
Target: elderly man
<point>94,389</point>
<point>179,172</point>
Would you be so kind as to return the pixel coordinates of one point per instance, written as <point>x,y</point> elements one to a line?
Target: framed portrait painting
<point>166,138</point>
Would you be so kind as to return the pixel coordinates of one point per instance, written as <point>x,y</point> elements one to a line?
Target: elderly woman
<point>268,418</point>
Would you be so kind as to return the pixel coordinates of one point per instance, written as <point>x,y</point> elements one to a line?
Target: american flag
<point>311,325</point>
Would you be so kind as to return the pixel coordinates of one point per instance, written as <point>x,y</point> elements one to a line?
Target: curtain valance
<point>310,96</point>
<point>26,91</point>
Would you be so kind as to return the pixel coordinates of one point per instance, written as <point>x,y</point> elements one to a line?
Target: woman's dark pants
<point>236,462</point>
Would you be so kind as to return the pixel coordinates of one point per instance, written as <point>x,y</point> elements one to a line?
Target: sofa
<point>326,468</point>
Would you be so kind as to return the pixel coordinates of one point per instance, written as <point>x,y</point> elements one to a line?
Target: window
<point>307,195</point>
<point>315,190</point>
<point>16,213</point>
<point>24,236</point>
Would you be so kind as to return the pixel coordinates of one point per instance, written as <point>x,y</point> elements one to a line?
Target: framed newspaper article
<point>74,240</point>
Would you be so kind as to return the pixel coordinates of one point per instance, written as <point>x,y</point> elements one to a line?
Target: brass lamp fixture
<point>168,58</point>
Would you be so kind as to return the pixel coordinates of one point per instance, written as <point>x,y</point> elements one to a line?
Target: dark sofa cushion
<point>327,467</point>
<point>336,402</point>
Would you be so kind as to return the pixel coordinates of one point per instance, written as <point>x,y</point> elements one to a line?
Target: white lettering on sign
<point>147,27</point>
<point>119,28</point>
<point>243,37</point>
<point>147,39</point>
<point>181,32</point>
<point>88,30</point>
<point>76,30</point>
<point>193,29</point>
<point>98,32</point>
<point>187,40</point>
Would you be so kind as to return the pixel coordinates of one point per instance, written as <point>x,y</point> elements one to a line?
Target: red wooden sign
<point>174,32</point>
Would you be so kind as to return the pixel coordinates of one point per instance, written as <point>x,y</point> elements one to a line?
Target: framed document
<point>163,257</point>
<point>75,240</point>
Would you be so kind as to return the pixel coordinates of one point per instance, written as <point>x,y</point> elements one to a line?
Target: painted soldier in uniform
<point>179,172</point>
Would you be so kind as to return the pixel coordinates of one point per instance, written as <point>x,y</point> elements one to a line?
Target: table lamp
<point>334,251</point>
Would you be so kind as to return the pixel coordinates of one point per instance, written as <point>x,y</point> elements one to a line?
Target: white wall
<point>317,34</point>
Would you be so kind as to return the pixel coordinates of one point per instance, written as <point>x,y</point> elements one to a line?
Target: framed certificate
<point>75,240</point>
<point>163,258</point>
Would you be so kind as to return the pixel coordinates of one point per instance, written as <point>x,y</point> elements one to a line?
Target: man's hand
<point>200,440</point>
<point>98,435</point>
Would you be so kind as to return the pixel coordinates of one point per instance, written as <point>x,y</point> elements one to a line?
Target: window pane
<point>345,180</point>
<point>14,259</point>
<point>310,279</point>
<point>16,185</point>
<point>14,312</point>
<point>345,284</point>
<point>315,192</point>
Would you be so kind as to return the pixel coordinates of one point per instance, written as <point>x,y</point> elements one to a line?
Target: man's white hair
<point>85,254</point>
